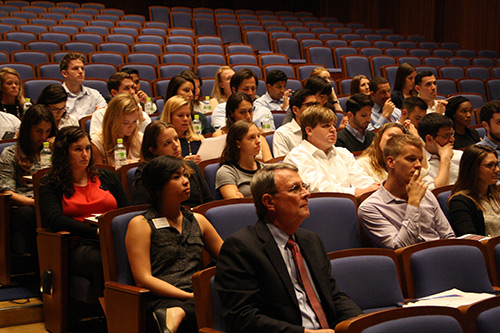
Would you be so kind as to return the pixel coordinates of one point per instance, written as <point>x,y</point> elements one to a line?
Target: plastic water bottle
<point>46,156</point>
<point>197,124</point>
<point>120,154</point>
<point>27,104</point>
<point>267,124</point>
<point>148,106</point>
<point>206,105</point>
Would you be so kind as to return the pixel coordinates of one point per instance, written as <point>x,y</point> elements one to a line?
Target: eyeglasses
<point>297,188</point>
<point>491,166</point>
<point>309,104</point>
<point>57,110</point>
<point>447,136</point>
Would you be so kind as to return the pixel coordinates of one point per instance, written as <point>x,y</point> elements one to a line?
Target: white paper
<point>451,298</point>
<point>212,147</point>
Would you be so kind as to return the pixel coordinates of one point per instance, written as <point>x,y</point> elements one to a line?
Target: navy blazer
<point>256,291</point>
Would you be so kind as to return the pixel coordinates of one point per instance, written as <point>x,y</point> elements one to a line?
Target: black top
<point>15,109</point>
<point>465,216</point>
<point>347,140</point>
<point>52,211</point>
<point>470,137</point>
<point>397,98</point>
<point>189,148</point>
<point>200,193</point>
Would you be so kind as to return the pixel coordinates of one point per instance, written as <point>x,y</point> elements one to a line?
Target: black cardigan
<point>465,216</point>
<point>200,192</point>
<point>52,211</point>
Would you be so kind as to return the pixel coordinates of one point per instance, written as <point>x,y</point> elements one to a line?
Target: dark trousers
<point>85,260</point>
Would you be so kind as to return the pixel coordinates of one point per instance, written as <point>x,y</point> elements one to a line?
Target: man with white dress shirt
<point>276,97</point>
<point>244,81</point>
<point>403,212</point>
<point>289,135</point>
<point>323,166</point>
<point>490,119</point>
<point>437,132</point>
<point>82,100</point>
<point>119,83</point>
<point>426,86</point>
<point>384,111</point>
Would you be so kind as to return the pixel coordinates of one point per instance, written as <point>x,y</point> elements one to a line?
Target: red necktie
<point>306,283</point>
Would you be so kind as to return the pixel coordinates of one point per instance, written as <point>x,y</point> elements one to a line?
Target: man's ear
<point>417,88</point>
<point>309,130</point>
<point>268,202</point>
<point>390,162</point>
<point>486,125</point>
<point>429,139</point>
<point>113,92</point>
<point>350,115</point>
<point>295,110</point>
<point>64,73</point>
<point>404,115</point>
<point>233,90</point>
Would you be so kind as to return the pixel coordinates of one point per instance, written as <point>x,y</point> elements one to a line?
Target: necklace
<point>18,113</point>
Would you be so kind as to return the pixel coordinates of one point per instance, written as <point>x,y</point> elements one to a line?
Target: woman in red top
<point>74,190</point>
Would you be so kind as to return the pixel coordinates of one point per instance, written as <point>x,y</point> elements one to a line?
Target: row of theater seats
<point>376,279</point>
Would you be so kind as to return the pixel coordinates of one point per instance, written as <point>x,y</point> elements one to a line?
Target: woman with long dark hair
<point>20,160</point>
<point>54,97</point>
<point>404,84</point>
<point>475,199</point>
<point>164,245</point>
<point>74,190</point>
<point>238,163</point>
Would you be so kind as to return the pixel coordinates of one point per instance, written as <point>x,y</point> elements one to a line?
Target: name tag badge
<point>161,223</point>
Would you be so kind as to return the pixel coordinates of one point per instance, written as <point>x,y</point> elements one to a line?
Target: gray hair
<point>263,182</point>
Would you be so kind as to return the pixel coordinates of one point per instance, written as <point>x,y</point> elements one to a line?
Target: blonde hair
<point>173,104</point>
<point>217,93</point>
<point>318,70</point>
<point>120,105</point>
<point>375,154</point>
<point>315,115</point>
<point>20,95</point>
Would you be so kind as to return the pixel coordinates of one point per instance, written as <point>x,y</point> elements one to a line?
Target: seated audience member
<point>355,136</point>
<point>459,110</point>
<point>82,100</point>
<point>23,159</point>
<point>264,271</point>
<point>372,160</point>
<point>384,110</point>
<point>164,245</point>
<point>184,85</point>
<point>74,190</point>
<point>403,212</point>
<point>120,122</point>
<point>323,166</point>
<point>119,83</point>
<point>141,94</point>
<point>404,84</point>
<point>437,132</point>
<point>490,119</point>
<point>196,104</point>
<point>426,87</point>
<point>333,101</point>
<point>414,109</point>
<point>54,97</point>
<point>244,81</point>
<point>221,90</point>
<point>161,139</point>
<point>475,199</point>
<point>178,113</point>
<point>11,92</point>
<point>321,90</point>
<point>238,163</point>
<point>276,97</point>
<point>239,107</point>
<point>360,84</point>
<point>289,135</point>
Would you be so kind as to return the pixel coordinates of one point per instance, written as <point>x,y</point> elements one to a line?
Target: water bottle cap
<point>149,99</point>
<point>119,140</point>
<point>28,99</point>
<point>46,145</point>
<point>207,98</point>
<point>196,116</point>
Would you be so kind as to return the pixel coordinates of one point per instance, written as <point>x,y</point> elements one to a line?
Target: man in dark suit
<point>264,286</point>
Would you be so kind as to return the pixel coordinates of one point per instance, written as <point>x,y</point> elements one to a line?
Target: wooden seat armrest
<point>208,330</point>
<point>125,307</point>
